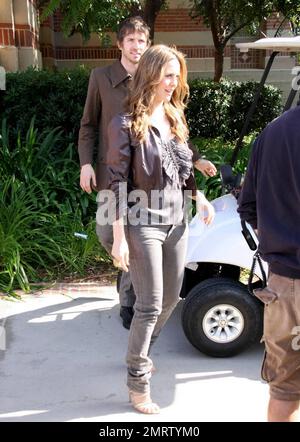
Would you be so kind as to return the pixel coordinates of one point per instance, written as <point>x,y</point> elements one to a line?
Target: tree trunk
<point>151,9</point>
<point>149,13</point>
<point>219,64</point>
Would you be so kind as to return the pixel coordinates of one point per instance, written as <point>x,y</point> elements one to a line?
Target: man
<point>270,202</point>
<point>106,93</point>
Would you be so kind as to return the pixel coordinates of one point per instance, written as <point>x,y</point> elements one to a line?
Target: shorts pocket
<point>265,295</point>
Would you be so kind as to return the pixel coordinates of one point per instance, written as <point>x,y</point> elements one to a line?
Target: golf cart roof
<point>286,44</point>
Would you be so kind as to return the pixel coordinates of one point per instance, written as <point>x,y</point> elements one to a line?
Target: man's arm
<point>206,167</point>
<point>87,134</point>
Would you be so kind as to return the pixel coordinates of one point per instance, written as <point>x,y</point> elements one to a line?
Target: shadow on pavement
<point>66,361</point>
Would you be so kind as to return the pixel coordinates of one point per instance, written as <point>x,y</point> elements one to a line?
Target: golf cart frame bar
<point>277,44</point>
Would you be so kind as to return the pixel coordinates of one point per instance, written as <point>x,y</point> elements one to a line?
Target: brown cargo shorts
<point>281,364</point>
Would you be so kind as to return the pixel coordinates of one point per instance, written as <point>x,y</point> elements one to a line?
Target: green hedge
<point>56,99</point>
<point>41,207</point>
<point>219,109</point>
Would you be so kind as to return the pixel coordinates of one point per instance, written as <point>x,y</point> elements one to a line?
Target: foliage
<point>43,159</point>
<point>219,152</point>
<point>231,16</point>
<point>87,16</point>
<point>219,109</point>
<point>290,10</point>
<point>214,109</point>
<point>34,241</point>
<point>24,241</point>
<point>226,17</point>
<point>55,99</point>
<point>41,206</point>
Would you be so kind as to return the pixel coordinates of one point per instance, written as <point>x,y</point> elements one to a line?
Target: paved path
<point>64,361</point>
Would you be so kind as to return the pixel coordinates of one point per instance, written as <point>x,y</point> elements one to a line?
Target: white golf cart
<point>220,316</point>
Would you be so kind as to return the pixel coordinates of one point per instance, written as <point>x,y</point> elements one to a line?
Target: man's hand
<point>207,168</point>
<point>87,175</point>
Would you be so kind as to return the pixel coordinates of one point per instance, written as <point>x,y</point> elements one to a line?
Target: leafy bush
<point>268,107</point>
<point>54,99</point>
<point>207,108</point>
<point>24,241</point>
<point>41,206</point>
<point>35,242</point>
<point>44,159</point>
<point>219,152</point>
<point>219,109</point>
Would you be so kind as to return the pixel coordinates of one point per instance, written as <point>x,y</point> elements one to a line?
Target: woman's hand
<point>120,253</point>
<point>205,209</point>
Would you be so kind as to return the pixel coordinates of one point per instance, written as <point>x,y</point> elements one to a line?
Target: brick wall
<point>22,35</point>
<point>172,20</point>
<point>7,36</point>
<point>178,20</point>
<point>253,59</point>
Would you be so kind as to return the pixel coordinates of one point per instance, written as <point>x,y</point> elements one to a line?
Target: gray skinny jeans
<point>156,259</point>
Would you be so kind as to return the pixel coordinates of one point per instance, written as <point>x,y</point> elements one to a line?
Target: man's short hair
<point>131,25</point>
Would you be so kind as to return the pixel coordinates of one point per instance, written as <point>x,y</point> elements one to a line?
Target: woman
<point>148,153</point>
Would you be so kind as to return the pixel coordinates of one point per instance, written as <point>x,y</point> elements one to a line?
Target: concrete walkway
<point>62,355</point>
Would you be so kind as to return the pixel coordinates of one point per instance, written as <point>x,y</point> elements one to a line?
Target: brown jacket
<point>107,90</point>
<point>134,162</point>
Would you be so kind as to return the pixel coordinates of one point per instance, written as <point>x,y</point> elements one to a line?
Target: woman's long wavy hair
<point>142,92</point>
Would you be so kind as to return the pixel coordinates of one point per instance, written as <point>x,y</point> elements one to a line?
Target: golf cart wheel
<point>221,318</point>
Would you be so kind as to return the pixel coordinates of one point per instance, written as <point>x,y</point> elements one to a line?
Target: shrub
<point>219,152</point>
<point>44,158</point>
<point>56,99</point>
<point>41,206</point>
<point>35,242</point>
<point>219,109</point>
<point>268,107</point>
<point>24,241</point>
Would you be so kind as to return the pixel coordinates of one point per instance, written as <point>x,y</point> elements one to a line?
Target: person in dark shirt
<point>270,203</point>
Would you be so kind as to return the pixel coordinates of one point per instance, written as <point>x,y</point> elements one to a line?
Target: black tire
<point>205,271</point>
<point>210,294</point>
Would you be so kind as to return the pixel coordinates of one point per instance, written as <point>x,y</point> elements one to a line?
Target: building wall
<point>173,26</point>
<point>19,35</point>
<point>24,43</point>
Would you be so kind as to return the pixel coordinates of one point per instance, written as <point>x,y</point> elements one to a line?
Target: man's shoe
<point>126,314</point>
